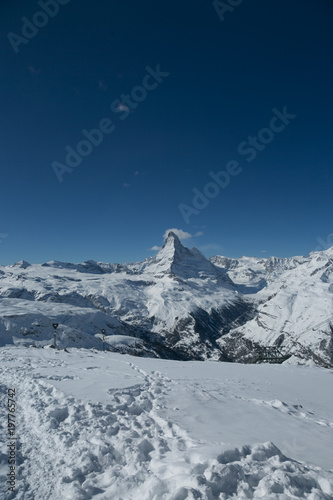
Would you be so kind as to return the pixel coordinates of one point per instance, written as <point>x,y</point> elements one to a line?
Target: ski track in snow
<point>75,450</point>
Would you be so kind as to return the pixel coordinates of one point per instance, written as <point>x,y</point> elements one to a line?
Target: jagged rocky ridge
<point>177,305</point>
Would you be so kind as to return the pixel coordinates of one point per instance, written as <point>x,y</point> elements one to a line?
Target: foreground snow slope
<point>101,425</point>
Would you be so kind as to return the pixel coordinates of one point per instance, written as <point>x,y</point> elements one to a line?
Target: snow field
<point>112,427</point>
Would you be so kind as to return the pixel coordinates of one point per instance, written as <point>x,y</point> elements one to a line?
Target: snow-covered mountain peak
<point>172,236</point>
<point>22,264</point>
<point>322,254</point>
<point>172,251</point>
<point>176,259</point>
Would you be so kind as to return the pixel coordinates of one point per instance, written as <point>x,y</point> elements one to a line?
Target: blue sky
<point>219,75</point>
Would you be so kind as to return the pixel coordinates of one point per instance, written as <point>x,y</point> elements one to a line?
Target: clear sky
<point>183,92</point>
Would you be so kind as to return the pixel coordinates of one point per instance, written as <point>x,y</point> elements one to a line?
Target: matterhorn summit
<point>185,263</point>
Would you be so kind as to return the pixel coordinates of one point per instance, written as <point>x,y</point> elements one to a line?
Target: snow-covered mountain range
<point>176,305</point>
